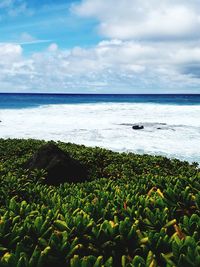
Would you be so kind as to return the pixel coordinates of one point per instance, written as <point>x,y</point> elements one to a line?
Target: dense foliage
<point>135,211</point>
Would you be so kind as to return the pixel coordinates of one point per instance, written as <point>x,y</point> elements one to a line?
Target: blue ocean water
<point>15,100</point>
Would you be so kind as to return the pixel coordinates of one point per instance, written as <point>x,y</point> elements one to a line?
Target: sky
<point>100,46</point>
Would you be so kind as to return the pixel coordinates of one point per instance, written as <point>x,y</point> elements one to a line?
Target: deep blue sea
<point>171,122</point>
<point>33,100</point>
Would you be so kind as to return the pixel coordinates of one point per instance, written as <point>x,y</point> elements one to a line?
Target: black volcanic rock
<point>137,127</point>
<point>60,167</point>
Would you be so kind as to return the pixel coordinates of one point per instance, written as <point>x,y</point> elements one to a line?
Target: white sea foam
<point>109,125</point>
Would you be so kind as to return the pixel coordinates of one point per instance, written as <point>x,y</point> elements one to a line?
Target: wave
<point>169,130</point>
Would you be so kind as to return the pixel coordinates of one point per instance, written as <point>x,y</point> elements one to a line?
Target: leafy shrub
<point>135,211</point>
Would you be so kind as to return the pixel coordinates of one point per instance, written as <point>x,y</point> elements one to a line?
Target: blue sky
<point>100,46</point>
<point>46,21</point>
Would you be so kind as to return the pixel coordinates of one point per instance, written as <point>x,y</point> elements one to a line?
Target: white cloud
<point>53,47</point>
<point>152,46</point>
<point>10,53</point>
<point>26,39</point>
<point>15,8</point>
<point>111,66</point>
<point>146,19</point>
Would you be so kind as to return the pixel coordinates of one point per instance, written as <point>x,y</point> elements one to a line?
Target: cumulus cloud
<point>10,53</point>
<point>111,66</point>
<point>151,46</point>
<point>147,19</point>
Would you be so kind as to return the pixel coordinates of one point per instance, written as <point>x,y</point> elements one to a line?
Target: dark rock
<point>159,128</point>
<point>137,127</point>
<point>60,167</point>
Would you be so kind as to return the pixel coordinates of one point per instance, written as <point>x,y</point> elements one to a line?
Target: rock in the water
<point>60,167</point>
<point>137,127</point>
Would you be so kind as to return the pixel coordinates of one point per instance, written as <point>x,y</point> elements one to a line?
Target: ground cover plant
<point>135,210</point>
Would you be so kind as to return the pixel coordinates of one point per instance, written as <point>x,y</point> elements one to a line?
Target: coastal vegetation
<point>133,210</point>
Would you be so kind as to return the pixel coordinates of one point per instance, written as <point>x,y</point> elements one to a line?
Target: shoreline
<point>122,152</point>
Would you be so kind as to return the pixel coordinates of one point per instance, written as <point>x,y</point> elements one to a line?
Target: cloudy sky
<point>100,46</point>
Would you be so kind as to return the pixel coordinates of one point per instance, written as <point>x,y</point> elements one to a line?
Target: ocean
<point>171,122</point>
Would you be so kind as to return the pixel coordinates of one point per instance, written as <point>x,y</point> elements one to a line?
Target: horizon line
<point>62,93</point>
